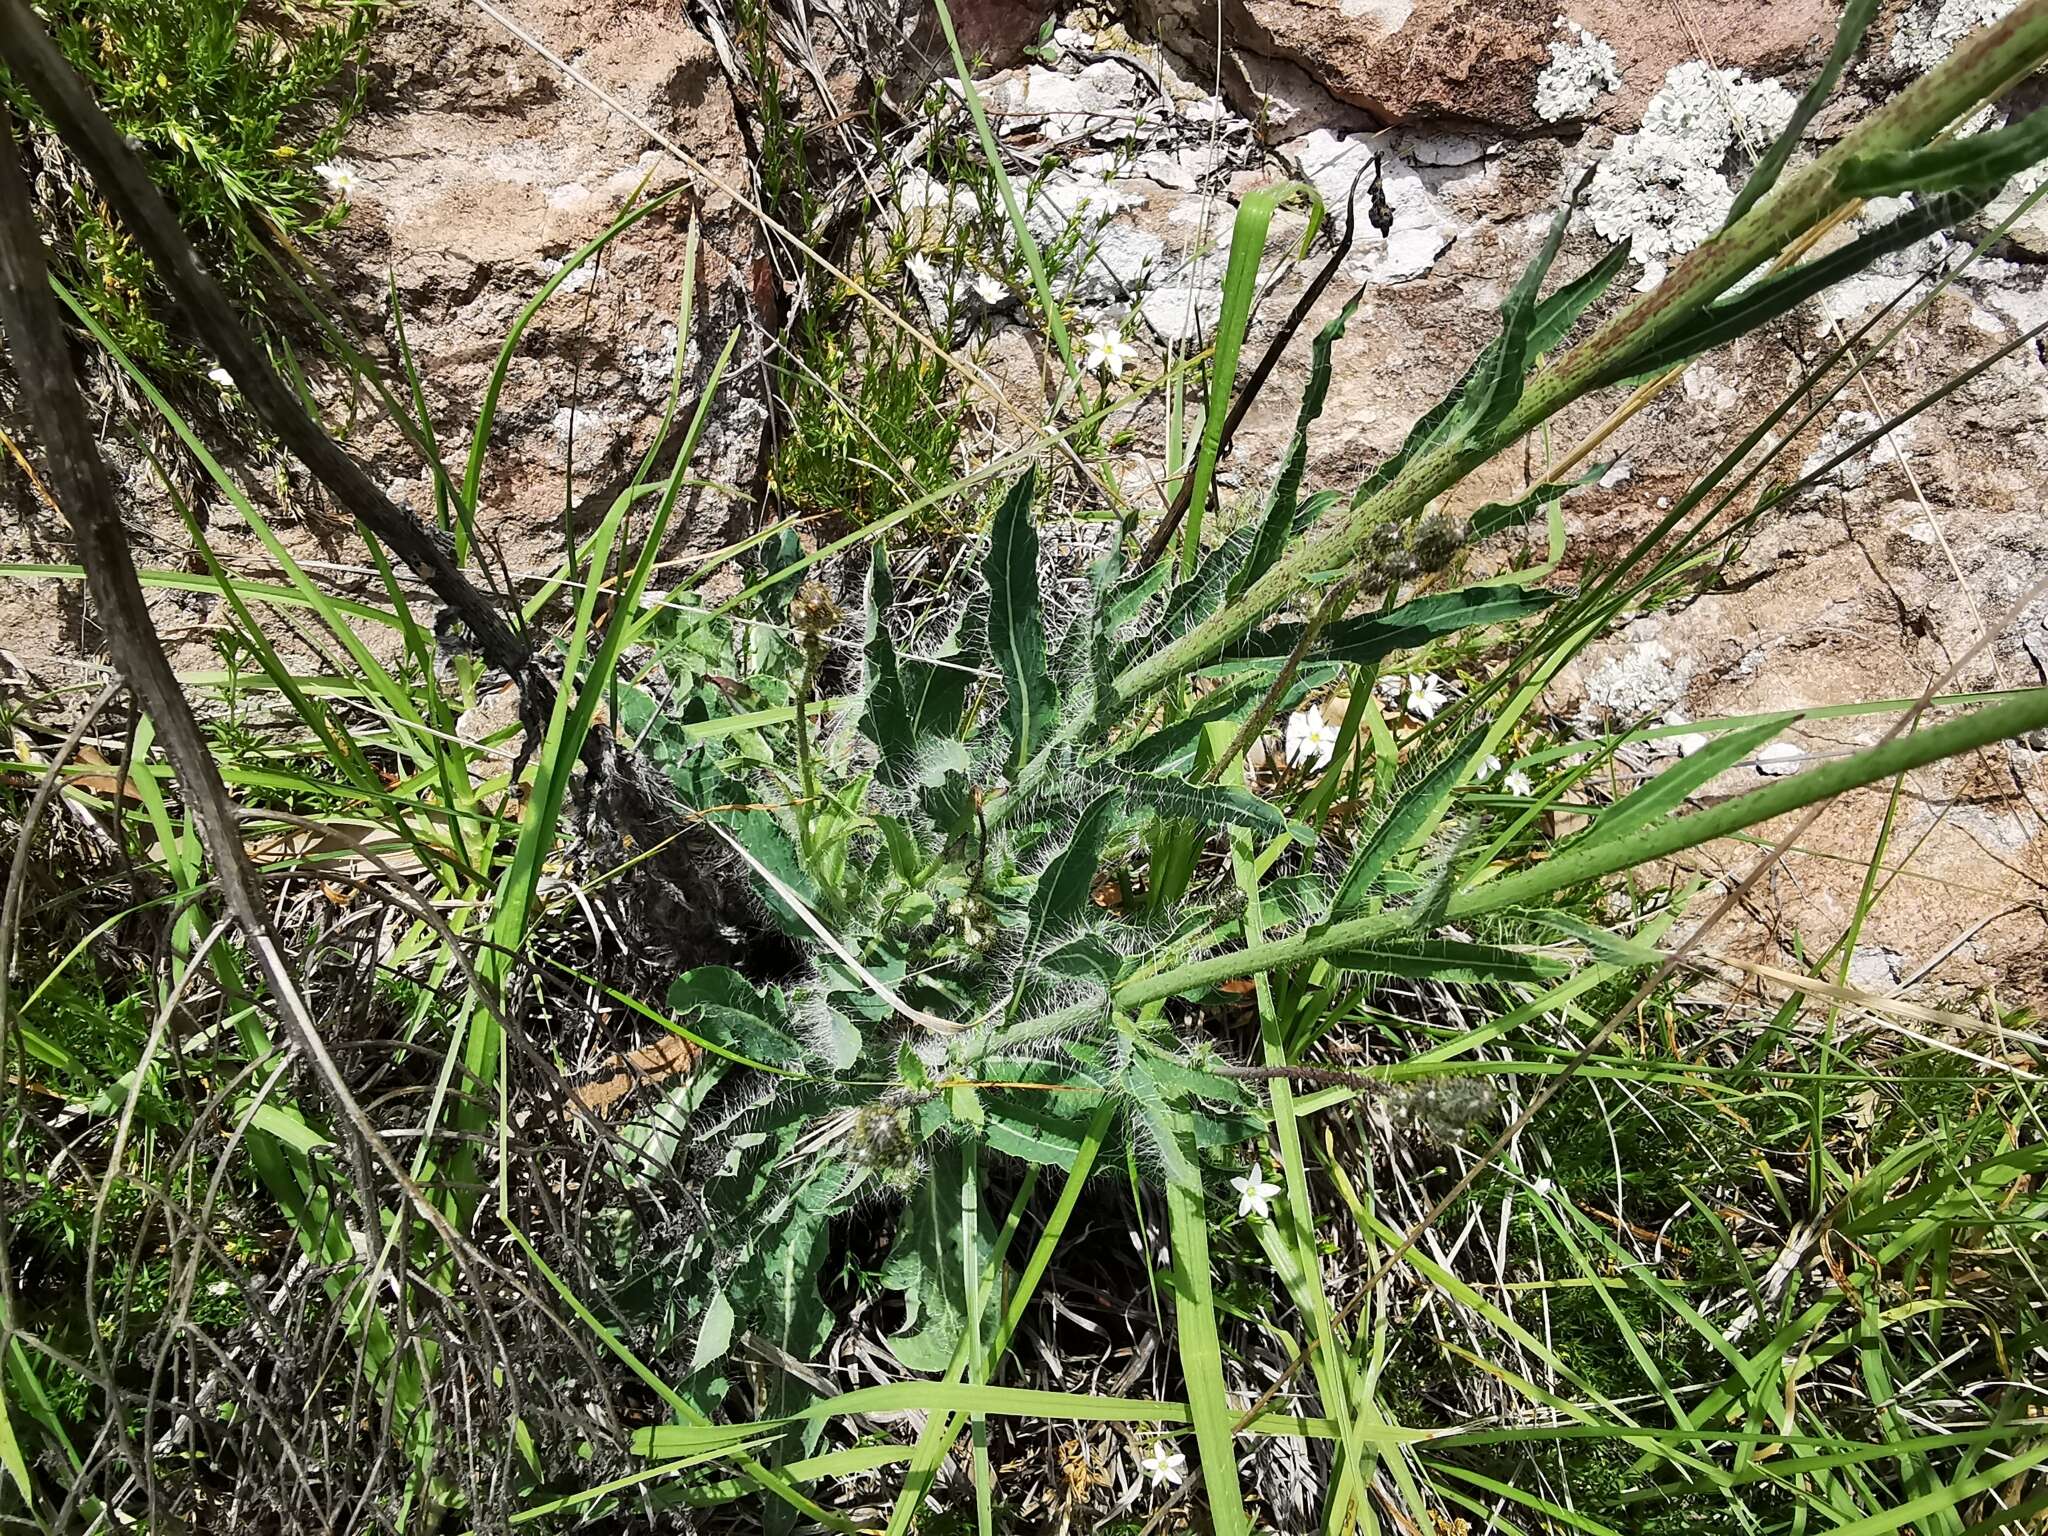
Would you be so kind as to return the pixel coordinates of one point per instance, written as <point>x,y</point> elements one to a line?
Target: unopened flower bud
<point>880,1139</point>
<point>812,612</point>
<point>1436,541</point>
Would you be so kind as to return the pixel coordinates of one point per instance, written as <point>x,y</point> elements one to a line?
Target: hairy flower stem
<point>1269,706</point>
<point>1981,65</point>
<point>806,786</point>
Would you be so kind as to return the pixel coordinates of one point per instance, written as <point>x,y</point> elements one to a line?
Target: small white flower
<point>921,270</point>
<point>1489,766</point>
<point>221,1288</point>
<point>1517,783</point>
<point>989,290</point>
<point>1542,1187</point>
<point>221,377</point>
<point>339,176</point>
<point>1107,352</point>
<point>1424,696</point>
<point>1311,740</point>
<point>1164,1465</point>
<point>1254,1194</point>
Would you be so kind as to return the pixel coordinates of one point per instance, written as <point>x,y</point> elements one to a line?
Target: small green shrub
<point>240,111</point>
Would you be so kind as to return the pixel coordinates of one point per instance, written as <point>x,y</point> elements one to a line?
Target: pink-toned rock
<point>1403,60</point>
<point>1299,64</point>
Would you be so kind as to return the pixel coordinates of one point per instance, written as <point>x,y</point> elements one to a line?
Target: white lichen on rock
<point>1640,683</point>
<point>1928,33</point>
<point>1662,189</point>
<point>1580,71</point>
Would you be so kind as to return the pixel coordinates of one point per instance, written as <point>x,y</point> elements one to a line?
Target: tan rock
<point>481,169</point>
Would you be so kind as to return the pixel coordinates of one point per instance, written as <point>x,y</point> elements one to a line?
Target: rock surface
<point>481,171</point>
<point>1297,63</point>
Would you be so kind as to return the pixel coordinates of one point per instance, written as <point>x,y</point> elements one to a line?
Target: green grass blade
<point>1034,259</point>
<point>1240,286</point>
<point>1201,1349</point>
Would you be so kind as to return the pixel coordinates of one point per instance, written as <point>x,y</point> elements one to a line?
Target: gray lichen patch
<point>1581,70</point>
<point>1927,33</point>
<point>1663,189</point>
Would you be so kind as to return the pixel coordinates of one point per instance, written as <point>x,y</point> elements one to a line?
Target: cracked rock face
<point>480,172</point>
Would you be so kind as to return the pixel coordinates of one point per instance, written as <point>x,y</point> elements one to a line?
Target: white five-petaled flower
<point>1254,1194</point>
<point>1422,696</point>
<point>220,377</point>
<point>1164,1465</point>
<point>1107,352</point>
<point>1311,740</point>
<point>339,176</point>
<point>1514,782</point>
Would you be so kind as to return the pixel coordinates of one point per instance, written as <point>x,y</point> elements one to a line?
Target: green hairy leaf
<point>1171,748</point>
<point>928,1264</point>
<point>1497,389</point>
<point>1206,805</point>
<point>1046,1122</point>
<point>731,1010</point>
<point>886,720</point>
<point>1414,811</point>
<point>1365,640</point>
<point>1061,897</point>
<point>1031,959</point>
<point>1016,625</point>
<point>1196,599</point>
